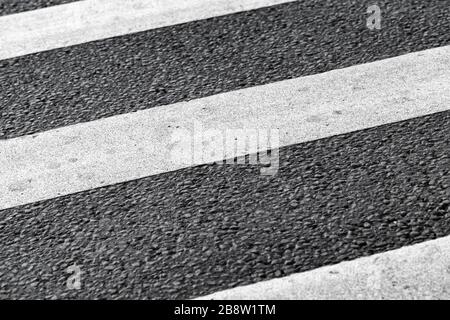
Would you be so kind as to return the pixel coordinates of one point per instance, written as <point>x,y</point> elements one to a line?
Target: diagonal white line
<point>140,144</point>
<point>421,271</point>
<point>89,20</point>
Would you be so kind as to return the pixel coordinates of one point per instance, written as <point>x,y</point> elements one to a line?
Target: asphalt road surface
<point>188,61</point>
<point>15,6</point>
<point>195,231</point>
<point>199,230</point>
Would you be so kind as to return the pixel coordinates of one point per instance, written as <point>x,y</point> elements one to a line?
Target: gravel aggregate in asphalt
<point>16,6</point>
<point>195,231</point>
<point>192,60</point>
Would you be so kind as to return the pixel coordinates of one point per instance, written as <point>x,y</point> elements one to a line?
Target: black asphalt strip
<point>16,6</point>
<point>198,230</point>
<point>76,84</point>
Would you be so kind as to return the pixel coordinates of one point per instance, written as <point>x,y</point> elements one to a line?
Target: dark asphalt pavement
<point>199,230</point>
<point>158,67</point>
<point>195,231</point>
<point>16,6</point>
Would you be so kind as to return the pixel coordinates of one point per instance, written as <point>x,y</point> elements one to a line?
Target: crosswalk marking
<point>163,66</point>
<point>89,20</point>
<point>420,271</point>
<point>135,145</point>
<point>211,228</point>
<point>65,166</point>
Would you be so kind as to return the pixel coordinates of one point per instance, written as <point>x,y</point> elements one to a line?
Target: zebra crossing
<point>419,270</point>
<point>108,191</point>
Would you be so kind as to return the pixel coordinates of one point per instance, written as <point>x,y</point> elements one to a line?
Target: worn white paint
<point>135,145</point>
<point>421,271</point>
<point>89,20</point>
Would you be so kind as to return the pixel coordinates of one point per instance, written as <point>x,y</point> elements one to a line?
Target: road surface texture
<point>197,59</point>
<point>373,184</point>
<point>16,6</point>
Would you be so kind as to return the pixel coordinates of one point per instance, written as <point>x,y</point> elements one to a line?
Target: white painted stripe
<point>421,271</point>
<point>140,144</point>
<point>89,20</point>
